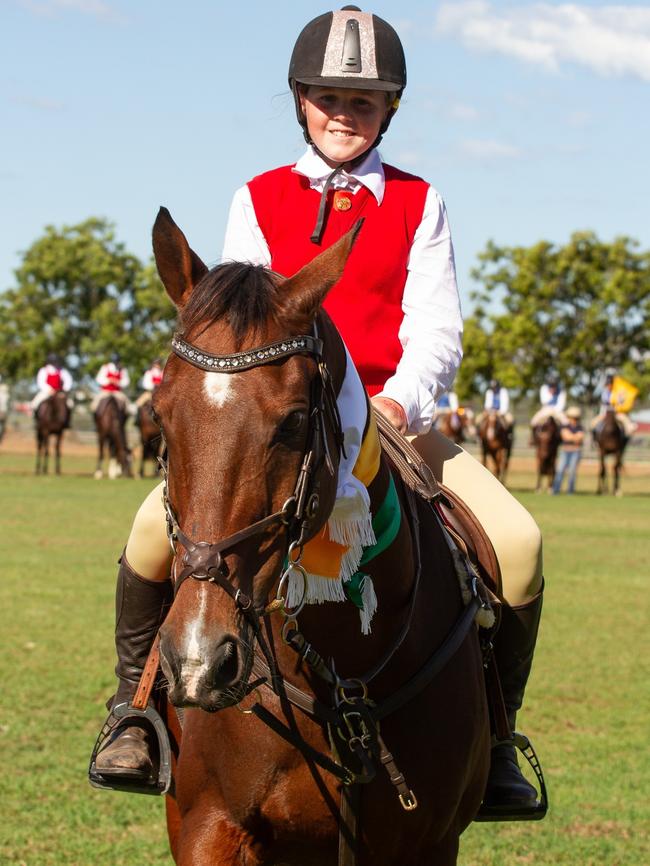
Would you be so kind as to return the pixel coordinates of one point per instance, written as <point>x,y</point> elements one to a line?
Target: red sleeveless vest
<point>55,380</point>
<point>114,382</point>
<point>366,303</point>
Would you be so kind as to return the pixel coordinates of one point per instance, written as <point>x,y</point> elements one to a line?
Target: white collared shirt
<point>432,328</point>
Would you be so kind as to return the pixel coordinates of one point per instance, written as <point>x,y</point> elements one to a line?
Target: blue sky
<point>531,119</point>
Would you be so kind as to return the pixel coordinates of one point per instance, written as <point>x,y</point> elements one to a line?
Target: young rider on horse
<point>497,399</point>
<point>552,397</point>
<point>612,401</point>
<point>52,377</point>
<point>403,332</point>
<point>150,381</point>
<point>112,379</point>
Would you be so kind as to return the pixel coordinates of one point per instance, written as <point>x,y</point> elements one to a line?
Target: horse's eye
<point>293,423</point>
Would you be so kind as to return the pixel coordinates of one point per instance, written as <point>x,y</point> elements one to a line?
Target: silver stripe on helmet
<point>333,60</point>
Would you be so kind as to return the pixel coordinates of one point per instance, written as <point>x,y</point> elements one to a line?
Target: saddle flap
<point>465,524</point>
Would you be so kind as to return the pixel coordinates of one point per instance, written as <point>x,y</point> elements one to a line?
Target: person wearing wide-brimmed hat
<point>573,435</point>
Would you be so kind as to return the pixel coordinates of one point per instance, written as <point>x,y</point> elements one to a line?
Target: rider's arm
<point>453,401</point>
<point>432,328</point>
<point>125,379</point>
<point>504,401</point>
<point>66,380</point>
<point>100,378</point>
<point>544,395</point>
<point>41,378</point>
<point>561,401</point>
<point>244,241</point>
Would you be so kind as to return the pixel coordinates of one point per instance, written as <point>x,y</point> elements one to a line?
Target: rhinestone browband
<point>246,360</point>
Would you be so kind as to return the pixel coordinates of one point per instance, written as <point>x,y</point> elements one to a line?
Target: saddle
<point>459,519</point>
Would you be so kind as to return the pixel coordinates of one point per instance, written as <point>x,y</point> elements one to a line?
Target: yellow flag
<point>623,394</point>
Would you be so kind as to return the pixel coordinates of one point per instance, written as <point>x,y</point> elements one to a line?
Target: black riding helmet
<point>348,48</point>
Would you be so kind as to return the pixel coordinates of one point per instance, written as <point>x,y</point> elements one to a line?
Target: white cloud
<point>488,148</point>
<point>610,40</point>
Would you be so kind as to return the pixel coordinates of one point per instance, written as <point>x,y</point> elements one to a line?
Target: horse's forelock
<point>246,295</point>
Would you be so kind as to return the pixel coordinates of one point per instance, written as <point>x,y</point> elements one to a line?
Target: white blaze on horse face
<point>219,388</point>
<point>194,653</point>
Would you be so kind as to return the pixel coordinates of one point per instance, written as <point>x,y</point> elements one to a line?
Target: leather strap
<point>349,813</point>
<point>148,678</point>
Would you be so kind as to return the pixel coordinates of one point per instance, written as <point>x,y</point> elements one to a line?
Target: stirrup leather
<point>520,813</point>
<point>159,782</point>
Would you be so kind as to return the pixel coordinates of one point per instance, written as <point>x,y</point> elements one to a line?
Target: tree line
<point>571,310</point>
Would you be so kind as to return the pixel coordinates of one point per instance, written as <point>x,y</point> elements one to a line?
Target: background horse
<point>611,442</point>
<point>237,442</point>
<point>110,423</point>
<point>547,442</point>
<point>150,437</point>
<point>496,443</point>
<point>456,426</point>
<point>52,418</point>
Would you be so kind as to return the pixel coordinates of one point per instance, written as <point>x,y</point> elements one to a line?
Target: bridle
<point>203,560</point>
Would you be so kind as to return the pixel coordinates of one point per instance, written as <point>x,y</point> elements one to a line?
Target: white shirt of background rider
<point>431,331</point>
<point>546,398</point>
<point>51,370</point>
<point>104,378</point>
<point>504,400</point>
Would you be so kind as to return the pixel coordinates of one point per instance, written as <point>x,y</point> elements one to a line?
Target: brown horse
<point>150,437</point>
<point>110,423</point>
<point>253,458</point>
<point>496,443</point>
<point>52,418</point>
<point>611,441</point>
<point>547,442</point>
<point>456,426</point>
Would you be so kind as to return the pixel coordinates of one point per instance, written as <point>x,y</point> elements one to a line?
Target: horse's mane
<point>247,295</point>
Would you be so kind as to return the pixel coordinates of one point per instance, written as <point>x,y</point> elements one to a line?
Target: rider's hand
<point>392,410</point>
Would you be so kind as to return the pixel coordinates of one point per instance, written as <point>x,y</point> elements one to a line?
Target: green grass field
<point>586,711</point>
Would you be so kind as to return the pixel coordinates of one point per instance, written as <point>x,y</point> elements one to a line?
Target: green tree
<point>572,310</point>
<point>81,294</point>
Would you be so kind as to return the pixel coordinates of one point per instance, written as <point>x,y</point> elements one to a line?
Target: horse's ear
<point>303,293</point>
<point>179,266</point>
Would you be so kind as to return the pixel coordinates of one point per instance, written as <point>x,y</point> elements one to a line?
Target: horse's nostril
<point>226,664</point>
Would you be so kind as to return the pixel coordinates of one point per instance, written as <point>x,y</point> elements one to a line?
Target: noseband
<point>203,560</point>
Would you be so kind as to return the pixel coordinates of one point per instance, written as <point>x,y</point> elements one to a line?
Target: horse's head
<point>247,413</point>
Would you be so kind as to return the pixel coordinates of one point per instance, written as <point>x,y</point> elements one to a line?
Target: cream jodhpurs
<point>514,534</point>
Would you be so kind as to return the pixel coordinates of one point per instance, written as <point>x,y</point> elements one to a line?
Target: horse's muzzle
<point>210,678</point>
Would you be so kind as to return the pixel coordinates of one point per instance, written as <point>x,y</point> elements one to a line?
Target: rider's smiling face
<point>343,123</point>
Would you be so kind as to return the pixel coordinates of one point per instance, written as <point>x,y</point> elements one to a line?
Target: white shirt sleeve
<point>432,328</point>
<point>66,380</point>
<point>453,401</point>
<point>504,401</point>
<point>544,395</point>
<point>244,241</point>
<point>561,401</point>
<point>100,378</point>
<point>125,379</point>
<point>41,378</point>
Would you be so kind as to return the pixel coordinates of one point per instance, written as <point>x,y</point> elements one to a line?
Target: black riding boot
<point>140,607</point>
<point>514,648</point>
